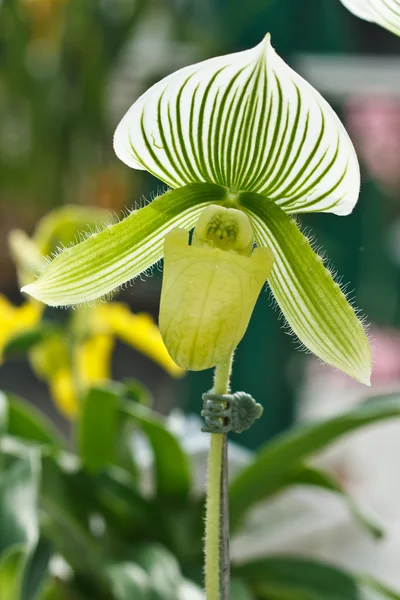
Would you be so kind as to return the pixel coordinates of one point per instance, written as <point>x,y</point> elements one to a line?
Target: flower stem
<point>225,573</point>
<point>217,546</point>
<point>222,377</point>
<point>212,537</point>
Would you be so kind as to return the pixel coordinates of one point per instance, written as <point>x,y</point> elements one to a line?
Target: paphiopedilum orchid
<point>383,12</point>
<point>242,132</point>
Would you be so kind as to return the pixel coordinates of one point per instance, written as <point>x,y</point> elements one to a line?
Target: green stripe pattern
<point>248,122</point>
<point>118,253</point>
<point>313,304</point>
<point>383,12</point>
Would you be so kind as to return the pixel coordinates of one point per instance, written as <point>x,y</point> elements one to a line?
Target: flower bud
<point>210,288</point>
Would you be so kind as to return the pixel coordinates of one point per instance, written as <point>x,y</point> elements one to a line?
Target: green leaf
<point>163,570</point>
<point>382,12</point>
<point>23,342</point>
<point>68,501</point>
<point>380,588</point>
<point>22,420</point>
<point>245,121</point>
<point>23,571</point>
<point>19,503</point>
<point>129,581</point>
<point>97,428</point>
<point>120,252</point>
<point>137,392</point>
<point>35,570</point>
<point>23,560</point>
<point>240,590</point>
<point>284,578</point>
<point>313,304</point>
<point>266,474</point>
<point>118,497</point>
<point>11,564</point>
<point>171,463</point>
<point>306,475</point>
<point>3,414</point>
<point>70,497</point>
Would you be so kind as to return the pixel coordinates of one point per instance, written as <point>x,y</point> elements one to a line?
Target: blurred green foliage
<point>55,58</point>
<point>77,523</point>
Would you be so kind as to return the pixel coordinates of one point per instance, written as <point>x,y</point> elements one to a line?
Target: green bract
<point>382,12</point>
<point>241,131</point>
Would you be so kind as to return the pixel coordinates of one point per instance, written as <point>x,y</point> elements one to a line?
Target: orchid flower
<point>383,12</point>
<point>241,131</point>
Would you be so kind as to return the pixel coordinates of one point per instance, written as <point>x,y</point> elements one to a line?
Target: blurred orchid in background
<point>383,12</point>
<point>71,350</point>
<point>76,355</point>
<point>242,131</point>
<point>374,125</point>
<point>14,320</point>
<point>313,522</point>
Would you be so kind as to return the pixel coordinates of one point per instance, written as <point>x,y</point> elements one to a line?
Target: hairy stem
<point>217,546</point>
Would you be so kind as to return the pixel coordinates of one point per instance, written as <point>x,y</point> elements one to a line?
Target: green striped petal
<point>120,252</point>
<point>245,121</point>
<point>313,304</point>
<point>383,12</point>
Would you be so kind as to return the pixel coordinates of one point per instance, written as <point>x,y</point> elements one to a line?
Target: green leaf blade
<point>23,557</point>
<point>280,578</point>
<point>97,428</point>
<point>11,565</point>
<point>36,569</point>
<point>313,304</point>
<point>311,476</point>
<point>171,463</point>
<point>163,570</point>
<point>383,591</point>
<point>128,581</point>
<point>22,342</point>
<point>19,488</point>
<point>267,473</point>
<point>24,421</point>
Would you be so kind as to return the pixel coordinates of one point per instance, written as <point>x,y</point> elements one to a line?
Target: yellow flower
<point>137,330</point>
<point>63,392</point>
<point>76,355</point>
<point>93,360</point>
<point>89,361</point>
<point>16,319</point>
<point>51,361</point>
<point>91,364</point>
